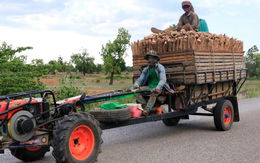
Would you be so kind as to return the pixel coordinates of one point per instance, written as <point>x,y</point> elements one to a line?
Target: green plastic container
<point>112,105</point>
<point>203,26</point>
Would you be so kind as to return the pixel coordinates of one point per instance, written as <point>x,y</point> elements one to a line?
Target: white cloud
<point>231,13</point>
<point>48,45</point>
<point>11,6</point>
<point>207,3</point>
<point>43,1</point>
<point>37,21</point>
<point>234,2</point>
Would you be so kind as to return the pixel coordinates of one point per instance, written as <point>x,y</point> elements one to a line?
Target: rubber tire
<point>63,131</point>
<point>171,121</point>
<point>27,155</point>
<point>219,115</point>
<point>111,116</point>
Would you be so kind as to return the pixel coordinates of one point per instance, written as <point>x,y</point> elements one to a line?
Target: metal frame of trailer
<point>234,85</point>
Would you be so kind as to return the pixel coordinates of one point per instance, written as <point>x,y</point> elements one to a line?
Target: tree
<point>173,26</point>
<point>129,69</point>
<point>16,75</point>
<point>83,62</point>
<point>60,60</point>
<point>60,66</point>
<point>54,66</point>
<point>122,65</point>
<point>253,62</point>
<point>99,68</point>
<point>114,52</point>
<point>64,66</point>
<point>37,62</point>
<point>68,67</point>
<point>39,66</point>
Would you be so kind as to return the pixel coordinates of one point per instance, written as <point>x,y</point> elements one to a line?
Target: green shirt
<point>153,79</point>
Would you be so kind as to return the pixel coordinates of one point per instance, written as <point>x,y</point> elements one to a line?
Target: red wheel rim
<point>33,148</point>
<point>227,115</point>
<point>81,142</point>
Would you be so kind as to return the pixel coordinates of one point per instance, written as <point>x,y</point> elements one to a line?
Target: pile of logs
<point>198,51</point>
<point>173,41</point>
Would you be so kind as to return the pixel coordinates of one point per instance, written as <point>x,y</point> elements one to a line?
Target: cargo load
<point>197,51</point>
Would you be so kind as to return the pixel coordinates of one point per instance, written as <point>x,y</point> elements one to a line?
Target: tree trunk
<point>111,78</point>
<point>84,71</point>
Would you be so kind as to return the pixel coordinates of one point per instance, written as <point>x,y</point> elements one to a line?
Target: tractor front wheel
<point>30,153</point>
<point>77,138</point>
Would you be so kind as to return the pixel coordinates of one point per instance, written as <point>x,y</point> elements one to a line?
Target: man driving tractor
<point>154,77</point>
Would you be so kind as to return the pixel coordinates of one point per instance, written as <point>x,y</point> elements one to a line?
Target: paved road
<point>191,141</point>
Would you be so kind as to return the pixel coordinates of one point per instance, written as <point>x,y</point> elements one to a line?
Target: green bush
<point>98,81</point>
<point>17,76</point>
<point>67,88</point>
<point>84,83</point>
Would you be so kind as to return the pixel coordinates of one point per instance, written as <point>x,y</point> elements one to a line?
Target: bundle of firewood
<point>174,41</point>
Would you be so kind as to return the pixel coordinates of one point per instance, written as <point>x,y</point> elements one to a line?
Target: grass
<point>93,83</point>
<point>250,89</point>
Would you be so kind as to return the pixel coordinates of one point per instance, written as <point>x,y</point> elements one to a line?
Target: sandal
<point>145,113</point>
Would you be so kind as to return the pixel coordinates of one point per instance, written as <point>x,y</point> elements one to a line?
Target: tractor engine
<point>24,118</point>
<point>22,121</point>
<point>21,126</point>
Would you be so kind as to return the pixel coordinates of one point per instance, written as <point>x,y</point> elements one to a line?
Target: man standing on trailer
<point>154,77</point>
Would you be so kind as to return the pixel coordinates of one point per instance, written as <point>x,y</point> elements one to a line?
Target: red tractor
<point>31,122</point>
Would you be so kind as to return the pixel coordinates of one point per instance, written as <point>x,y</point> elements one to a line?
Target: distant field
<point>91,83</point>
<point>250,89</point>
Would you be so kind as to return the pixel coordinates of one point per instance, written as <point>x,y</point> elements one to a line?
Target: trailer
<point>218,98</point>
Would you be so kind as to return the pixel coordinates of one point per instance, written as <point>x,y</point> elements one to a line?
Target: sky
<point>64,27</point>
